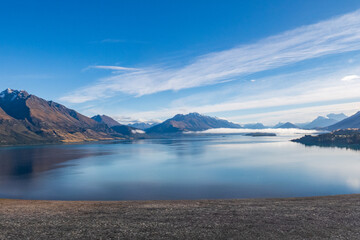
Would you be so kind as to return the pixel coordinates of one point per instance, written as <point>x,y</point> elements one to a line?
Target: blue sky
<point>247,61</point>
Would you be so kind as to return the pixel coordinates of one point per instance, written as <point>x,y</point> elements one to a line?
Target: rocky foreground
<point>335,217</point>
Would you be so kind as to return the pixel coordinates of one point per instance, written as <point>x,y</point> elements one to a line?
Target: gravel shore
<point>333,217</point>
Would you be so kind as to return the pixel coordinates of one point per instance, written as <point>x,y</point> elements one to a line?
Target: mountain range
<point>286,125</point>
<point>190,122</point>
<point>28,119</point>
<point>116,126</point>
<point>350,122</point>
<point>142,125</point>
<point>322,122</point>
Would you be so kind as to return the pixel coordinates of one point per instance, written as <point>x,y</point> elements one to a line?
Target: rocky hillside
<point>26,118</point>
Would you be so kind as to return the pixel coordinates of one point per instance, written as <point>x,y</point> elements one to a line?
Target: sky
<point>245,61</point>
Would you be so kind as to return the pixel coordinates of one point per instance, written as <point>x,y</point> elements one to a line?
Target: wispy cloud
<point>337,35</point>
<point>117,68</point>
<point>263,104</point>
<point>350,78</point>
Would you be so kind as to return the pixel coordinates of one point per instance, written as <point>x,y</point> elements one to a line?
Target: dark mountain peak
<point>11,94</point>
<point>195,114</point>
<point>189,115</point>
<point>110,122</point>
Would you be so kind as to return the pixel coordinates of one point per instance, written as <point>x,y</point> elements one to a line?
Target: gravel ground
<point>334,217</point>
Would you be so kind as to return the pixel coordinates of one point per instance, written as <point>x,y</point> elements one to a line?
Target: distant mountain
<point>338,117</point>
<point>350,122</point>
<point>127,130</point>
<point>190,122</point>
<point>142,125</point>
<point>116,126</point>
<point>26,118</point>
<point>286,125</point>
<point>110,122</point>
<point>254,126</point>
<point>322,122</point>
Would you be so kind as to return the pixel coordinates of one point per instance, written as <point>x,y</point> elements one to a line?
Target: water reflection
<point>29,161</point>
<point>229,166</point>
<point>354,147</point>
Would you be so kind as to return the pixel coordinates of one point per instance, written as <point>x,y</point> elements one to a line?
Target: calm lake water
<point>216,166</point>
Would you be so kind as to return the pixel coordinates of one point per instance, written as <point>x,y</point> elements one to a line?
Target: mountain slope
<point>13,131</point>
<point>116,126</point>
<point>338,117</point>
<point>110,122</point>
<point>190,122</point>
<point>287,125</point>
<point>322,122</point>
<point>350,122</point>
<point>26,118</point>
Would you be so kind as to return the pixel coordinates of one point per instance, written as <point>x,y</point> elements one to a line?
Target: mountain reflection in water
<point>188,167</point>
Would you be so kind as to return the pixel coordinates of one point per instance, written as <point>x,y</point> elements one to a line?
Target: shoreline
<point>322,217</point>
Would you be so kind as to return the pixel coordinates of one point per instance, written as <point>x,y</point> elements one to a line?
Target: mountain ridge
<point>190,122</point>
<point>350,122</point>
<point>28,119</point>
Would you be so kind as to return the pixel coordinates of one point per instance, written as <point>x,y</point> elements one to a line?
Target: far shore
<point>329,217</point>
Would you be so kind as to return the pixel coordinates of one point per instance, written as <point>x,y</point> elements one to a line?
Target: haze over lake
<point>188,167</point>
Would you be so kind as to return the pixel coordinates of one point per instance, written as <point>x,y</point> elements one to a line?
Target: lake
<point>188,167</point>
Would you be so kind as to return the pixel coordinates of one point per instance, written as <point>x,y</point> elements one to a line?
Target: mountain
<point>142,125</point>
<point>322,122</point>
<point>127,130</point>
<point>116,126</point>
<point>254,126</point>
<point>286,125</point>
<point>26,118</point>
<point>350,122</point>
<point>190,122</point>
<point>338,117</point>
<point>105,120</point>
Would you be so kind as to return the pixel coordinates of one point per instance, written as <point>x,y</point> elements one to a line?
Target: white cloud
<point>323,91</point>
<point>350,78</point>
<point>298,115</point>
<point>281,132</point>
<point>337,35</point>
<point>117,68</point>
<point>137,131</point>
